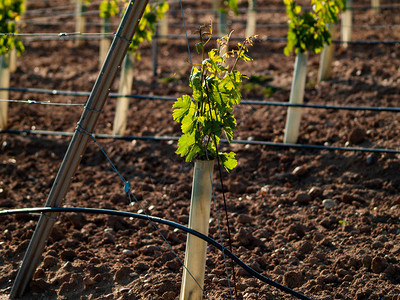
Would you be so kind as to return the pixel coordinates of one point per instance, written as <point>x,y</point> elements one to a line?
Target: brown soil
<point>276,198</point>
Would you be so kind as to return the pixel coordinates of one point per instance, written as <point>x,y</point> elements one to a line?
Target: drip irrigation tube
<point>246,102</point>
<point>174,138</point>
<point>165,222</point>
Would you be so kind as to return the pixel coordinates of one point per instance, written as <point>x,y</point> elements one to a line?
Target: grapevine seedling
<point>208,112</point>
<point>10,12</point>
<point>307,32</point>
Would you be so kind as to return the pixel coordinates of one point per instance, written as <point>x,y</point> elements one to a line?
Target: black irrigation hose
<point>174,138</point>
<point>165,222</point>
<point>246,102</point>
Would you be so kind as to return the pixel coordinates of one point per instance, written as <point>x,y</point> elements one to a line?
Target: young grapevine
<point>10,12</point>
<point>208,112</point>
<point>147,25</point>
<point>308,30</point>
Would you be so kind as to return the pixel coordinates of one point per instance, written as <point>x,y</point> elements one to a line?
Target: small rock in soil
<point>122,273</point>
<point>77,220</point>
<point>173,265</point>
<point>127,252</point>
<point>225,282</point>
<point>141,266</point>
<point>318,236</point>
<point>87,281</point>
<point>366,261</point>
<point>68,255</point>
<point>49,261</point>
<point>244,237</point>
<point>244,219</point>
<point>378,264</point>
<point>150,250</point>
<point>300,171</point>
<point>357,135</point>
<point>329,203</point>
<point>349,198</point>
<point>305,247</point>
<point>38,285</point>
<point>67,287</point>
<point>370,159</point>
<point>302,198</point>
<point>292,279</point>
<point>297,228</point>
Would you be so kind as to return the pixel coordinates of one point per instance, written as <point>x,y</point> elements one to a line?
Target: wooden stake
<point>13,60</point>
<point>80,22</point>
<point>296,97</point>
<point>105,42</point>
<point>251,18</point>
<point>78,143</point>
<point>347,22</point>
<point>376,4</point>
<point>163,28</point>
<point>125,88</point>
<point>325,63</point>
<point>4,83</point>
<point>196,248</point>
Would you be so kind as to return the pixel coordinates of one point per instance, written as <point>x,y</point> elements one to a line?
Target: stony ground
<point>325,223</point>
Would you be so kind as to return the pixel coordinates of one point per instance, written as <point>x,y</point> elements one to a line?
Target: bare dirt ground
<point>276,198</point>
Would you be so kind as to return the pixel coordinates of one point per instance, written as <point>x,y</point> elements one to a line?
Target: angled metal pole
<point>78,143</point>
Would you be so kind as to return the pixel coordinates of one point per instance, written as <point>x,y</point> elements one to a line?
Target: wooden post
<point>80,22</point>
<point>347,22</point>
<point>13,60</point>
<point>222,25</point>
<point>196,248</point>
<point>78,143</point>
<point>215,8</point>
<point>4,83</point>
<point>296,97</point>
<point>105,41</point>
<point>125,88</point>
<point>325,63</point>
<point>376,4</point>
<point>163,28</point>
<point>251,18</point>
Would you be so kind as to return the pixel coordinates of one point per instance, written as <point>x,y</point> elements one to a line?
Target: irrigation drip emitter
<point>160,221</point>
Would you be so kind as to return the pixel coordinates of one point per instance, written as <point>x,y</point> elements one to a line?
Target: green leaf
<point>189,122</point>
<point>181,108</point>
<point>228,160</point>
<point>185,142</point>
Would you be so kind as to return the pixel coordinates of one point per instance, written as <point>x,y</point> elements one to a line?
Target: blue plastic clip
<point>127,187</point>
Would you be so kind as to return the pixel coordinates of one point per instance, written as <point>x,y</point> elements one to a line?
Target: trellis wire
<point>244,102</point>
<point>160,221</point>
<point>283,9</point>
<point>174,138</point>
<point>258,25</point>
<point>29,101</point>
<point>67,14</point>
<point>31,37</point>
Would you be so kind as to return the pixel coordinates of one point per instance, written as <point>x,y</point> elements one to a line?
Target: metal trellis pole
<point>78,143</point>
